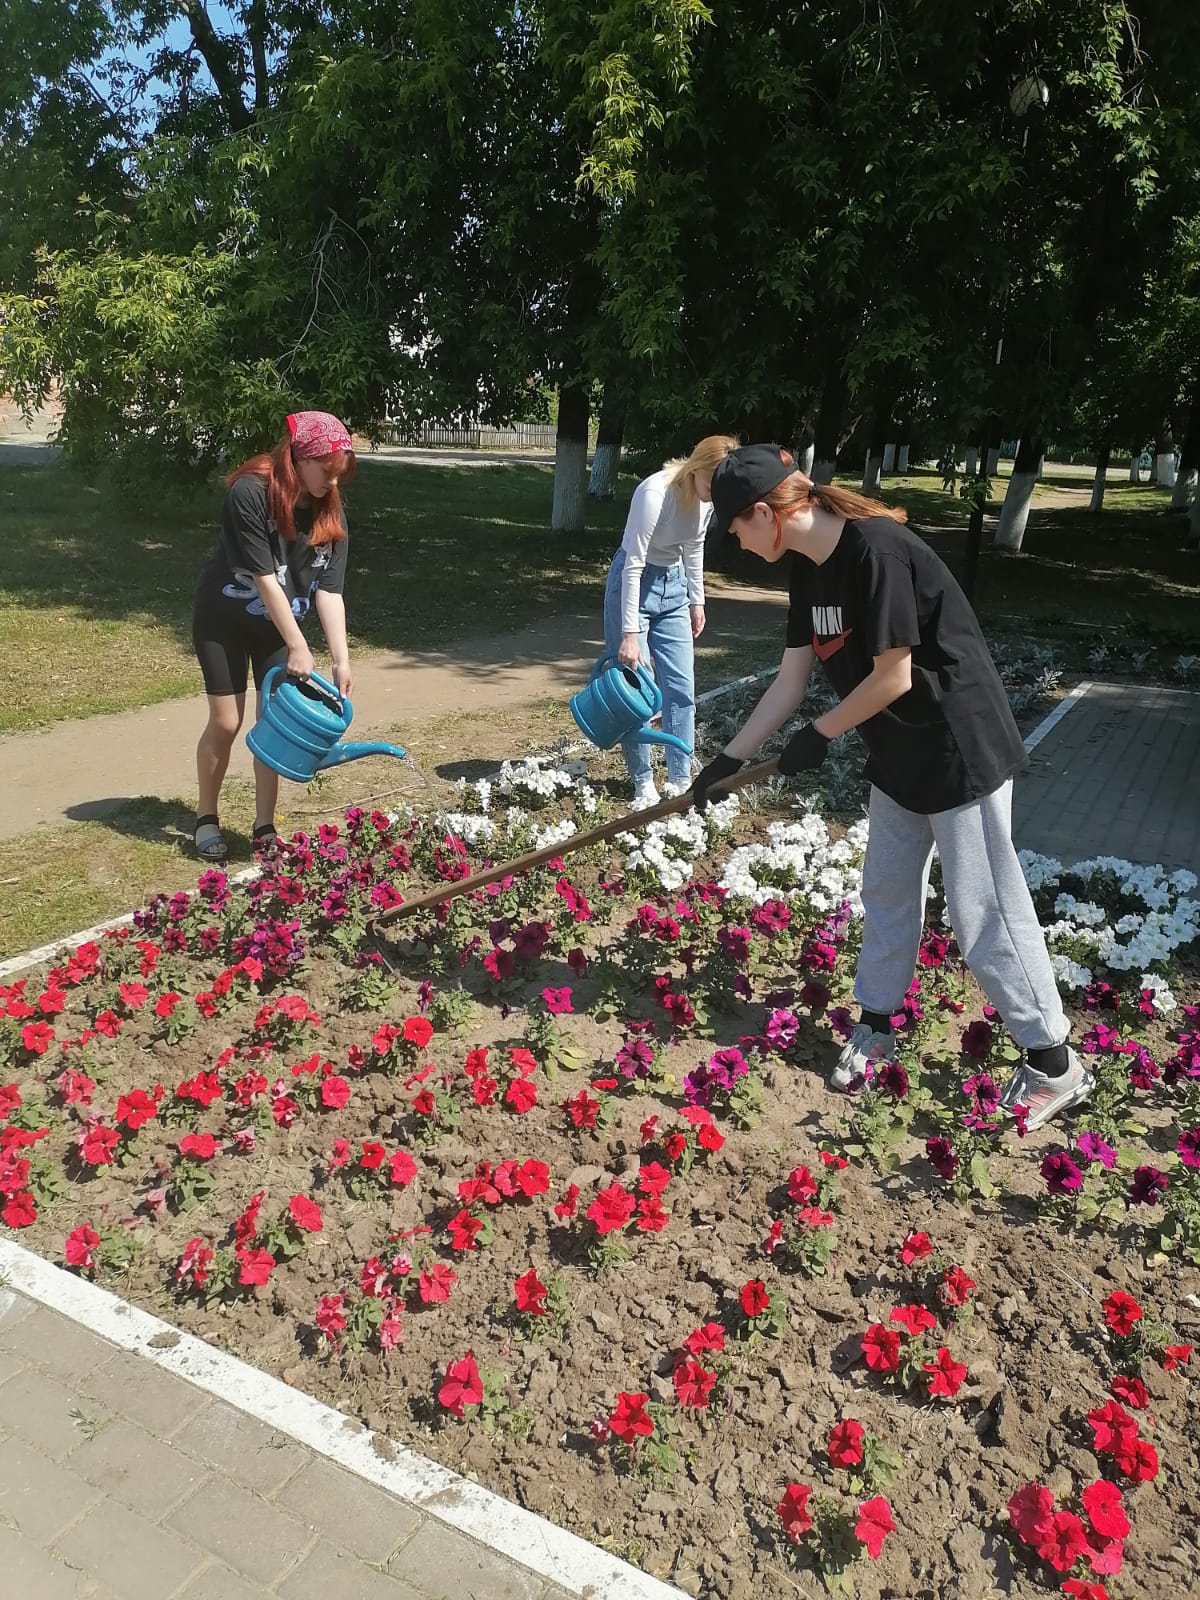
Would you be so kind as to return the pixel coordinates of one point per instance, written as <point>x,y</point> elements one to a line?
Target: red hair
<point>284,489</point>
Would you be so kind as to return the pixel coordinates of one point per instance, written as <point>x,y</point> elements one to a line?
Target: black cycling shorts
<point>227,653</point>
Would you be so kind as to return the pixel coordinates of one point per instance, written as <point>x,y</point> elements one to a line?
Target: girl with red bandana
<point>280,556</point>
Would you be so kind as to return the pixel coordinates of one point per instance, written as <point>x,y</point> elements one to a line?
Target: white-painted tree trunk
<point>902,459</point>
<point>1181,494</point>
<point>570,482</point>
<point>1194,521</point>
<point>1164,469</point>
<point>889,458</point>
<point>993,461</point>
<point>971,466</point>
<point>805,460</point>
<point>1041,468</point>
<point>871,472</point>
<point>1100,481</point>
<point>1135,470</point>
<point>602,483</point>
<point>1014,514</point>
<point>822,471</point>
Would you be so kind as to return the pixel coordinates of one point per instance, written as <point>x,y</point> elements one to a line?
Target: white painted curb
<point>552,1553</point>
<point>1047,724</point>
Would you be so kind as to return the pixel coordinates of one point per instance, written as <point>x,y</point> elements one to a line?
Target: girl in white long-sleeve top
<point>654,599</point>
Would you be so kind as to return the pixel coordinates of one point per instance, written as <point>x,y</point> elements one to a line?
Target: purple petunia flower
<point>1060,1172</point>
<point>635,1058</point>
<point>1188,1147</point>
<point>891,1077</point>
<point>781,1030</point>
<point>977,1041</point>
<point>986,1092</point>
<point>1093,1148</point>
<point>1148,1186</point>
<point>941,1156</point>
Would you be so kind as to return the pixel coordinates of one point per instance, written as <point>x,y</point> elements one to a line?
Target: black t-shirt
<point>251,546</point>
<point>951,738</point>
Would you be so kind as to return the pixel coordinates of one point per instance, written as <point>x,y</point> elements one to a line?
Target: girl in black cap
<point>904,653</point>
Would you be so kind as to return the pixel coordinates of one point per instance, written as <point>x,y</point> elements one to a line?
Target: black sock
<point>1053,1062</point>
<point>877,1021</point>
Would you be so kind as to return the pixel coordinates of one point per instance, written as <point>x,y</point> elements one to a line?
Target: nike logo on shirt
<point>830,647</point>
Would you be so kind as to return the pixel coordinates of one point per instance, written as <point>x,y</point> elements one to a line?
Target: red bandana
<point>317,433</point>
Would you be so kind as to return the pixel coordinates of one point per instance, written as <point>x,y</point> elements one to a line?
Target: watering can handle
<point>320,689</point>
<point>611,661</point>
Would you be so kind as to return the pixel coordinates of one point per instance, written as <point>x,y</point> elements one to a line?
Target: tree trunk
<point>1101,478</point>
<point>1135,470</point>
<point>804,460</point>
<point>1189,455</point>
<point>602,485</point>
<point>1194,520</point>
<point>827,432</point>
<point>889,458</point>
<point>971,464</point>
<point>993,461</point>
<point>1014,514</point>
<point>902,459</point>
<point>570,460</point>
<point>1041,468</point>
<point>1164,457</point>
<point>877,445</point>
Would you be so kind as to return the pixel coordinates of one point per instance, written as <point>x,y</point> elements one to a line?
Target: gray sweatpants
<point>990,911</point>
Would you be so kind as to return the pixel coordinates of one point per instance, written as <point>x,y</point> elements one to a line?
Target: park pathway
<point>79,770</point>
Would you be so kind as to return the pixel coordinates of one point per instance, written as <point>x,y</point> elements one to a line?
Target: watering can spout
<point>656,736</point>
<point>341,753</point>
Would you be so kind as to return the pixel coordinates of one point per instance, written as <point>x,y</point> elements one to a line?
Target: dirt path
<point>81,770</point>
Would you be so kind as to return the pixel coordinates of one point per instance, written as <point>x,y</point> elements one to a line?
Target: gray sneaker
<point>1045,1096</point>
<point>863,1045</point>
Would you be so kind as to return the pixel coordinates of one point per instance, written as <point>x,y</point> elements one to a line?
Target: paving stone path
<point>122,1481</point>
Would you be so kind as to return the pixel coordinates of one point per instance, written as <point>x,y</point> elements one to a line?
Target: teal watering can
<point>617,704</point>
<point>302,722</point>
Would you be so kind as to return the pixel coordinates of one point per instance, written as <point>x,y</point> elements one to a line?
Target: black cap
<point>744,477</point>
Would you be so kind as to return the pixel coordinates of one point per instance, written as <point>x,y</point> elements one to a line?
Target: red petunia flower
<point>97,1146</point>
<point>881,1348</point>
<point>20,1210</point>
<point>754,1297</point>
<point>915,1320</point>
<point>915,1247</point>
<point>335,1092</point>
<point>533,1178</point>
<point>305,1213</point>
<point>435,1283</point>
<point>462,1385</point>
<point>37,1037</point>
<point>1175,1356</point>
<point>199,1146</point>
<point>1105,1509</point>
<point>135,1109</point>
<point>709,1137</point>
<point>801,1185</point>
<point>1122,1313</point>
<point>372,1155</point>
<point>255,1267</point>
<point>1131,1390</point>
<point>710,1337</point>
<point>955,1287</point>
<point>845,1447</point>
<point>611,1209</point>
<point>418,1031</point>
<point>463,1229</point>
<point>874,1524</point>
<point>1111,1424</point>
<point>1081,1589</point>
<point>402,1168</point>
<point>530,1294</point>
<point>566,1206</point>
<point>1065,1541</point>
<point>1030,1511</point>
<point>630,1419</point>
<point>693,1384</point>
<point>945,1375</point>
<point>79,1247</point>
<point>521,1095</point>
<point>792,1511</point>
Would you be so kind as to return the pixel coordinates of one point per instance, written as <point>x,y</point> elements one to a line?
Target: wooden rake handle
<point>628,823</point>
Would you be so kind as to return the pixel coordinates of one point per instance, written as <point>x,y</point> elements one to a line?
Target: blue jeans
<point>665,634</point>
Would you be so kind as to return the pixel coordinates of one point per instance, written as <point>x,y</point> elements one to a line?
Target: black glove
<point>803,752</point>
<point>712,776</point>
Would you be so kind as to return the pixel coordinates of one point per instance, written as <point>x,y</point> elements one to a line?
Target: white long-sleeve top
<point>658,530</point>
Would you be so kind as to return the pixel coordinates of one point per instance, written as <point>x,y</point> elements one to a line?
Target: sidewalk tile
<point>241,1447</point>
<point>13,1307</point>
<point>132,1387</point>
<point>37,1497</point>
<point>218,1583</point>
<point>9,1365</point>
<point>39,1408</point>
<point>63,1348</point>
<point>30,1574</point>
<point>329,1574</point>
<point>349,1511</point>
<point>138,1470</point>
<point>442,1562</point>
<point>241,1530</point>
<point>137,1559</point>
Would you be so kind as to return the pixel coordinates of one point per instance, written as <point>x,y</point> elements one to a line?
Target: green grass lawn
<point>96,593</point>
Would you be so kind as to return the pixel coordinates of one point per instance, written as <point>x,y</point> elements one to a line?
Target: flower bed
<point>563,1200</point>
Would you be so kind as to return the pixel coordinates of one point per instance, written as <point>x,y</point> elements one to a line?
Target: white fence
<point>471,435</point>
